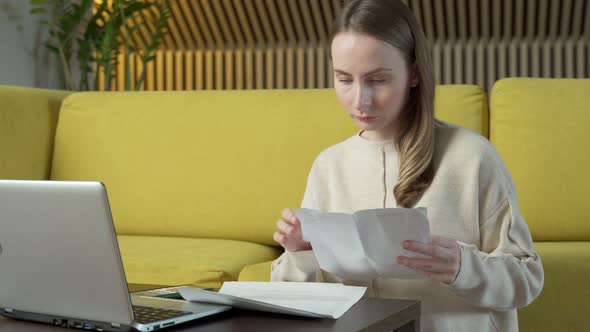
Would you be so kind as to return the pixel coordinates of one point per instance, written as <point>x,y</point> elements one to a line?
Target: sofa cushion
<point>565,294</point>
<point>177,261</point>
<point>540,128</point>
<point>209,164</point>
<point>256,272</point>
<point>463,105</point>
<point>28,118</point>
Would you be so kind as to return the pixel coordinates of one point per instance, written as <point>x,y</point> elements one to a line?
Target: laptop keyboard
<point>145,315</point>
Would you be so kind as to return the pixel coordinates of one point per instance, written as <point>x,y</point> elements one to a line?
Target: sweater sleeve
<point>301,265</point>
<point>505,272</point>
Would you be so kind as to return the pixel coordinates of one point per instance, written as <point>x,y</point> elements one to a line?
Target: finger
<point>441,277</point>
<point>289,215</point>
<point>429,249</point>
<point>279,238</point>
<point>295,222</point>
<point>285,227</point>
<point>282,240</point>
<point>444,242</point>
<point>428,265</point>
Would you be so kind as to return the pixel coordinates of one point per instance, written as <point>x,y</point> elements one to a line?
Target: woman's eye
<point>345,81</point>
<point>378,80</point>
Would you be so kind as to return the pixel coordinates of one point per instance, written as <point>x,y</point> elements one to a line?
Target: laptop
<point>60,262</point>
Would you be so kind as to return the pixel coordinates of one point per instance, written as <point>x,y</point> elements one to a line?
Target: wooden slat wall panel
<point>259,69</point>
<point>497,19</point>
<point>228,60</point>
<point>189,71</point>
<point>229,23</point>
<point>198,68</point>
<point>297,20</point>
<point>233,20</point>
<point>137,73</point>
<point>493,60</point>
<point>120,83</point>
<point>290,68</point>
<point>471,62</point>
<point>280,67</point>
<point>224,23</point>
<point>211,17</point>
<point>305,10</point>
<point>208,70</point>
<point>178,70</point>
<point>159,74</point>
<point>168,71</point>
<point>264,15</point>
<point>183,26</point>
<point>150,76</point>
<point>256,44</point>
<point>251,68</point>
<point>195,32</point>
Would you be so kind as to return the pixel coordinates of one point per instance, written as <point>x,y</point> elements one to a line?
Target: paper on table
<point>310,299</point>
<point>364,245</point>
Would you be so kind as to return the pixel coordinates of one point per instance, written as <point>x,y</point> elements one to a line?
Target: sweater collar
<point>365,141</point>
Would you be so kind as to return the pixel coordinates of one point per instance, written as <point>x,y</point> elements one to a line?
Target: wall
<point>23,59</point>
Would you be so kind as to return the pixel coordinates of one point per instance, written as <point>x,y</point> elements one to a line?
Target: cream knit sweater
<point>472,199</point>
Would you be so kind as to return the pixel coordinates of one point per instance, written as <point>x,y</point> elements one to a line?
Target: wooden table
<point>368,314</point>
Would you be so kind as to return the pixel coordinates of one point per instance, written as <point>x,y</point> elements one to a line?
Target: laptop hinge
<point>116,325</point>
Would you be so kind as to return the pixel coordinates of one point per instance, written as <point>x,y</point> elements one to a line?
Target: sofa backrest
<point>28,118</point>
<point>216,164</point>
<point>540,128</point>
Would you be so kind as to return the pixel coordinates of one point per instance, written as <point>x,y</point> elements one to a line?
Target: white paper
<point>324,300</point>
<point>364,245</point>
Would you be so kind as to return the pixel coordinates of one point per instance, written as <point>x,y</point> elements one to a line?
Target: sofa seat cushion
<point>566,293</point>
<point>177,261</point>
<point>256,272</point>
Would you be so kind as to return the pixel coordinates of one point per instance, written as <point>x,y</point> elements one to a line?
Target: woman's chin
<point>368,126</point>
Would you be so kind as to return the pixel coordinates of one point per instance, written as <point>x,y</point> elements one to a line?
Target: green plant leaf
<point>38,10</point>
<point>51,47</point>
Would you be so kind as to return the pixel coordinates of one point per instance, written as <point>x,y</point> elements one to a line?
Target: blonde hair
<point>392,22</point>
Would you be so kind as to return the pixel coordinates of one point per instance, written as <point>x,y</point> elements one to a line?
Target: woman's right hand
<point>289,234</point>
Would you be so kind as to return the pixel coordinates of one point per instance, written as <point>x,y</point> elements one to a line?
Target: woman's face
<point>372,81</point>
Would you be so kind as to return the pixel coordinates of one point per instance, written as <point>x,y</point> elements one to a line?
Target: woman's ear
<point>414,77</point>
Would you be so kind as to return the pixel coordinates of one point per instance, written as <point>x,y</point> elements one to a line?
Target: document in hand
<point>311,299</point>
<point>364,245</point>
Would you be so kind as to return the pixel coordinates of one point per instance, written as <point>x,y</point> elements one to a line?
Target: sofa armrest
<point>28,119</point>
<point>256,272</point>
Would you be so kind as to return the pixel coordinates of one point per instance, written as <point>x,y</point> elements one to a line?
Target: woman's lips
<point>366,119</point>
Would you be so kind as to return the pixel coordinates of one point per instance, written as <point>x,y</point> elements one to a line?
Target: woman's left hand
<point>443,262</point>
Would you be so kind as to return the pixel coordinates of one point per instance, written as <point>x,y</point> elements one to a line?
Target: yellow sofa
<point>196,180</point>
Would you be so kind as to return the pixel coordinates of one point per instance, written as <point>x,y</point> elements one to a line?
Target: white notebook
<point>311,299</point>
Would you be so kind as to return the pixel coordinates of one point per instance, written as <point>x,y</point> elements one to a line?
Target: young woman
<point>480,265</point>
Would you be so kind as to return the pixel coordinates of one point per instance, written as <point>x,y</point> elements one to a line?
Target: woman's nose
<point>364,99</point>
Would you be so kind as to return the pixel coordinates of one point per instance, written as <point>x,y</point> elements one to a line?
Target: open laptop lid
<point>59,252</point>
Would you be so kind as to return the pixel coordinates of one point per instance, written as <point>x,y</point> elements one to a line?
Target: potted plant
<point>87,38</point>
